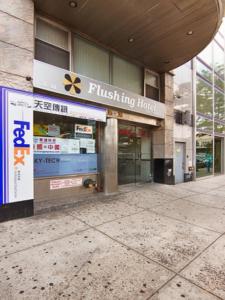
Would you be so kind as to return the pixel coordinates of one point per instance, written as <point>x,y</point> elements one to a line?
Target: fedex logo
<point>21,149</point>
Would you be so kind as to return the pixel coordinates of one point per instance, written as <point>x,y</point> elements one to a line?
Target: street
<point>153,241</point>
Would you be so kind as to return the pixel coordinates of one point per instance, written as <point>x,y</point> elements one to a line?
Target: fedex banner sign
<point>16,146</point>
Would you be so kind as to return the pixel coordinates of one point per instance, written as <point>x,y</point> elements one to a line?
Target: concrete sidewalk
<point>150,242</point>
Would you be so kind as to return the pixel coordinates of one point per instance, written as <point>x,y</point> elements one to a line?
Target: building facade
<point>199,113</point>
<point>87,102</point>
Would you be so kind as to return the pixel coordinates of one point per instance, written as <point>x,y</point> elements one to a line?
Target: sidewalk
<point>153,242</point>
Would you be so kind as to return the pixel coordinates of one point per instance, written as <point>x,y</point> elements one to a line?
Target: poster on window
<point>16,146</point>
<point>83,131</point>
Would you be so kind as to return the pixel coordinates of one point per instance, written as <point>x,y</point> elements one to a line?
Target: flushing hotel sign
<point>48,77</point>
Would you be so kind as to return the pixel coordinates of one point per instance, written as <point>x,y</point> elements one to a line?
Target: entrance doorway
<point>179,162</point>
<point>134,154</point>
<point>218,155</point>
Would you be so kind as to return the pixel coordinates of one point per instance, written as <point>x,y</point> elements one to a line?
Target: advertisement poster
<point>46,144</point>
<point>83,131</point>
<point>56,145</point>
<point>88,144</point>
<point>17,146</point>
<point>64,164</point>
<point>53,130</point>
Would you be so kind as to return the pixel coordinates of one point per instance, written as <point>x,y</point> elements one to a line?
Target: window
<point>63,145</point>
<point>90,60</point>
<point>127,75</point>
<point>204,98</point>
<point>152,85</point>
<point>51,45</point>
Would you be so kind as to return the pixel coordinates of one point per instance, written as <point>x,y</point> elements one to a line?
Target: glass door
<point>218,155</point>
<point>134,154</point>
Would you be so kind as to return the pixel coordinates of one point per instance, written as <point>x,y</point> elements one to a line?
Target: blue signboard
<point>46,165</point>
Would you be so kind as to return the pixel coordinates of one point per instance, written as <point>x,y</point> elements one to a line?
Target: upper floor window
<point>127,75</point>
<point>90,60</point>
<point>52,44</point>
<point>152,85</point>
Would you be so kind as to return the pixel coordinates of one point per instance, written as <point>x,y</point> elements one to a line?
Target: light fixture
<point>190,32</point>
<point>131,40</point>
<point>73,4</point>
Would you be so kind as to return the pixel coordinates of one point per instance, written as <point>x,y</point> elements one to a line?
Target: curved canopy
<point>160,34</point>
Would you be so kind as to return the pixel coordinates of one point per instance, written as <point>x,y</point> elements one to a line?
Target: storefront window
<point>63,145</point>
<point>204,98</point>
<point>204,155</point>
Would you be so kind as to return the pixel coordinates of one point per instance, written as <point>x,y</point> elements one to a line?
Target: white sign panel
<point>62,107</point>
<point>65,183</point>
<point>20,146</point>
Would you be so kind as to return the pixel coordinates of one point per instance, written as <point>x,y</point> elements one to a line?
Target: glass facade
<point>210,107</point>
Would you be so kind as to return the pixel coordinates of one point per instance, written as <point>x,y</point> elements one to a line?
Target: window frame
<point>59,26</point>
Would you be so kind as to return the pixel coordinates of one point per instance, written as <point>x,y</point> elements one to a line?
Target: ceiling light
<point>190,32</point>
<point>131,40</point>
<point>73,4</point>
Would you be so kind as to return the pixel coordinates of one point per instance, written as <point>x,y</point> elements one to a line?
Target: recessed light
<point>131,40</point>
<point>190,32</point>
<point>73,4</point>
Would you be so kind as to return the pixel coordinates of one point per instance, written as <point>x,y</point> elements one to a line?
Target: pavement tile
<point>208,200</point>
<point>146,198</point>
<point>83,266</point>
<point>171,190</point>
<point>179,288</point>
<point>24,233</point>
<point>217,192</point>
<point>104,211</point>
<point>206,217</point>
<point>199,186</point>
<point>208,270</point>
<point>169,242</point>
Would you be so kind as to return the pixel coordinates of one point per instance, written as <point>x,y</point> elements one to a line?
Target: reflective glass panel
<point>219,128</point>
<point>219,105</point>
<point>206,55</point>
<point>203,124</point>
<point>204,71</point>
<point>219,82</point>
<point>204,98</point>
<point>218,60</point>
